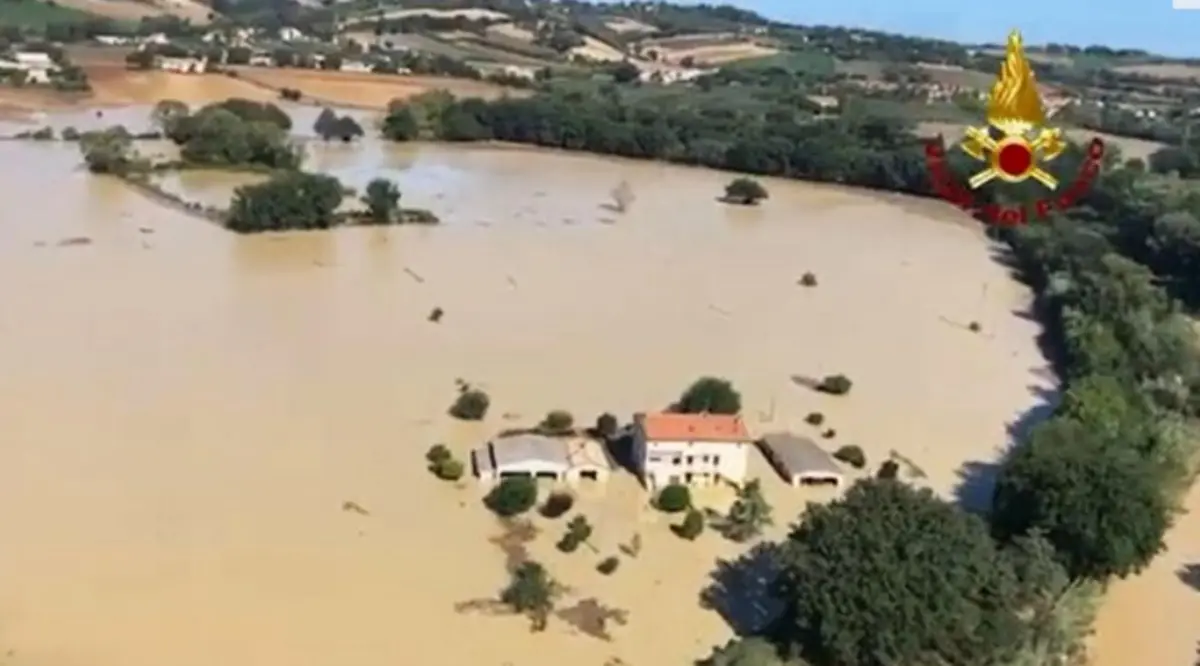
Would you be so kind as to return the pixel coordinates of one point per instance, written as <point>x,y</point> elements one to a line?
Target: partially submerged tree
<point>108,151</point>
<point>745,191</point>
<point>712,395</point>
<point>168,113</point>
<point>471,405</point>
<point>750,651</point>
<point>749,514</point>
<point>533,592</point>
<point>291,200</point>
<point>382,198</point>
<point>512,496</point>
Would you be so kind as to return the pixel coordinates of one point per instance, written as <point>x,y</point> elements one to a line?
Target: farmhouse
<point>559,458</point>
<point>355,66</point>
<point>38,67</point>
<point>800,461</point>
<point>694,449</point>
<point>187,65</point>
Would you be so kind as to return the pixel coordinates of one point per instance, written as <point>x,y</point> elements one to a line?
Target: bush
<point>975,327</point>
<point>851,455</point>
<point>512,497</point>
<point>292,200</point>
<point>808,280</point>
<point>578,531</point>
<point>691,527</point>
<point>471,405</point>
<point>890,469</point>
<point>289,94</point>
<point>607,425</point>
<point>835,385</point>
<point>557,505</point>
<point>674,498</point>
<point>712,395</point>
<point>815,419</point>
<point>608,565</point>
<point>558,421</point>
<point>745,191</point>
<point>829,433</point>
<point>438,453</point>
<point>449,470</point>
<point>568,543</point>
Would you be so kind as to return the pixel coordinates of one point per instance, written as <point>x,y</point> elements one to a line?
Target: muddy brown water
<point>184,411</point>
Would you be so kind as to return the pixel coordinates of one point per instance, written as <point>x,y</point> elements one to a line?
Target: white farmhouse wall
<point>534,467</point>
<point>690,462</point>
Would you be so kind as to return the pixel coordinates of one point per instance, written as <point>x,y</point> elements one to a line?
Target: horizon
<point>1158,29</point>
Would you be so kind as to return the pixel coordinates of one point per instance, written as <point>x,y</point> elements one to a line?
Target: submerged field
<point>189,410</point>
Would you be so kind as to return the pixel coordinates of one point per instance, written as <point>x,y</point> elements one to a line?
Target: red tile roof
<point>668,427</point>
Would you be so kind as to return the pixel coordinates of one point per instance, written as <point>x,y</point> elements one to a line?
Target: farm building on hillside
<point>559,458</point>
<point>187,65</point>
<point>800,461</point>
<point>693,449</point>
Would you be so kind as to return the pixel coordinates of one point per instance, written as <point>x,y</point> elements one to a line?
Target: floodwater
<point>185,411</point>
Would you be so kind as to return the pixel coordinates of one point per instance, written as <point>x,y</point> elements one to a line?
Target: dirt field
<point>512,31</point>
<point>718,53</point>
<point>598,50</point>
<point>364,90</point>
<point>195,12</point>
<point>948,75</point>
<point>441,13</point>
<point>1166,70</point>
<point>623,24</point>
<point>117,85</point>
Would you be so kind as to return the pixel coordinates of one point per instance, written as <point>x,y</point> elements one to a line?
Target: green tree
<point>674,498</point>
<point>712,395</point>
<point>745,191</point>
<point>471,405</point>
<point>323,125</point>
<point>512,496</point>
<point>691,527</point>
<point>751,651</point>
<point>1097,501</point>
<point>533,592</point>
<point>558,421</point>
<point>842,568</point>
<point>108,151</point>
<point>382,198</point>
<point>749,514</point>
<point>292,200</point>
<point>167,113</point>
<point>400,125</point>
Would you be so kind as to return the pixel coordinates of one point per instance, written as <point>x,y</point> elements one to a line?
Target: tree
<point>557,505</point>
<point>382,198</point>
<point>835,385</point>
<point>107,151</point>
<point>711,395</point>
<point>512,496</point>
<point>558,421</point>
<point>607,425</point>
<point>533,592</point>
<point>471,405</point>
<point>691,527</point>
<point>894,575</point>
<point>323,125</point>
<point>745,191</point>
<point>674,498</point>
<point>167,113</point>
<point>347,129</point>
<point>400,125</point>
<point>751,651</point>
<point>852,455</point>
<point>625,72</point>
<point>1095,499</point>
<point>748,515</point>
<point>292,200</point>
<point>141,59</point>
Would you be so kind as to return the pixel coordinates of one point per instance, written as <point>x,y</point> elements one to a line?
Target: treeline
<point>891,575</point>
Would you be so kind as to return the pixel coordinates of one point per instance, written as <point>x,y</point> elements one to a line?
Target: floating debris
<point>73,241</point>
<point>355,507</point>
<point>435,315</point>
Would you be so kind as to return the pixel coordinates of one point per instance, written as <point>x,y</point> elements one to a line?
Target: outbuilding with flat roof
<point>530,454</point>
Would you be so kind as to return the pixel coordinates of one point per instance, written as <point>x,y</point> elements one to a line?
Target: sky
<point>1151,25</point>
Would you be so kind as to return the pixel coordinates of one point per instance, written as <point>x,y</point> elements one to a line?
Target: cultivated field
<point>627,25</point>
<point>1163,70</point>
<point>363,90</point>
<point>196,12</point>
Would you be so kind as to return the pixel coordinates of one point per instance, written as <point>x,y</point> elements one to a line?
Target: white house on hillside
<point>37,66</point>
<point>182,65</point>
<point>693,449</point>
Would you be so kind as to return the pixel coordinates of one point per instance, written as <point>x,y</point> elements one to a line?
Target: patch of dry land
<point>1163,70</point>
<point>366,90</point>
<point>196,12</point>
<point>187,411</point>
<point>713,48</point>
<point>625,24</point>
